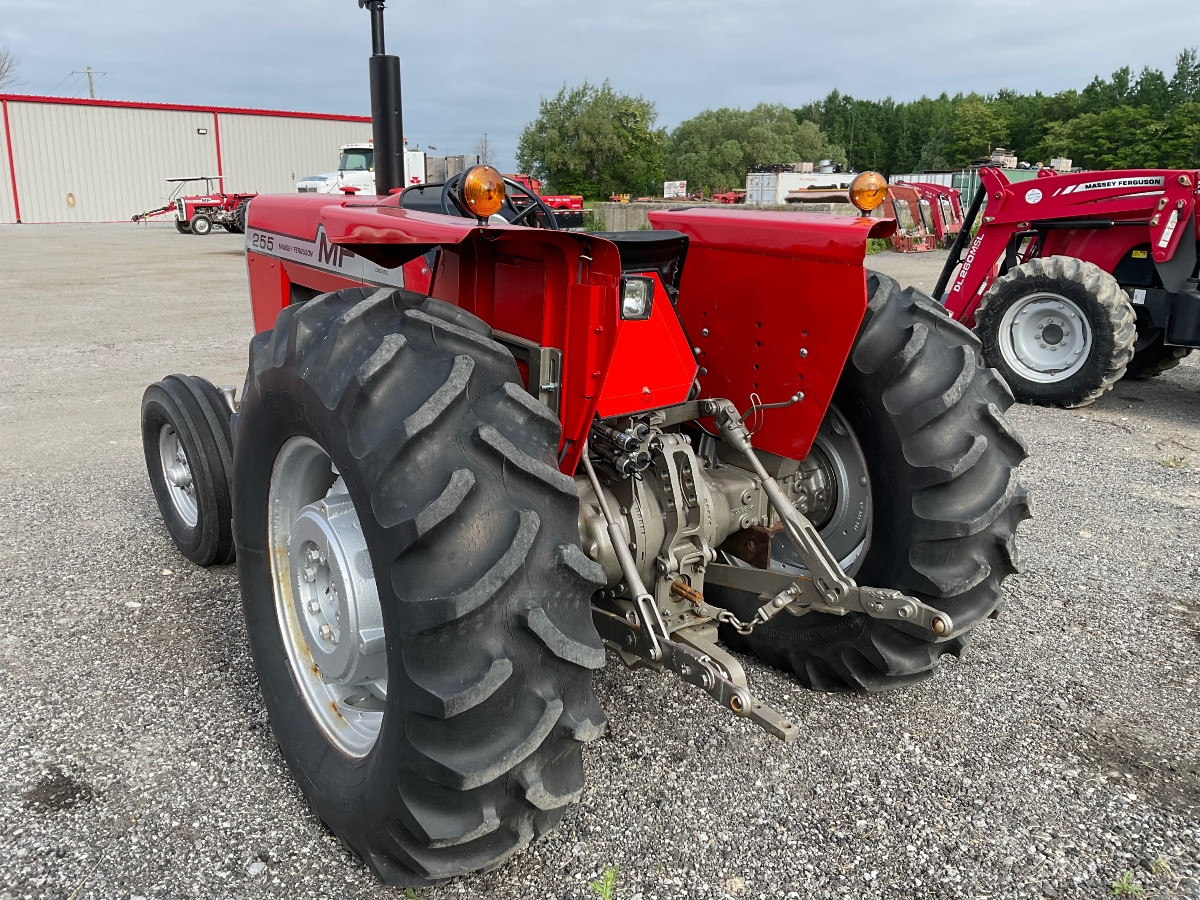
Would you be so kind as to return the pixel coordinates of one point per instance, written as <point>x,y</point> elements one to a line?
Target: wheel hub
<point>177,472</point>
<point>337,604</point>
<point>1045,337</point>
<point>326,600</point>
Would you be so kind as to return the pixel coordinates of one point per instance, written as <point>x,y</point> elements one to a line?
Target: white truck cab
<point>356,168</point>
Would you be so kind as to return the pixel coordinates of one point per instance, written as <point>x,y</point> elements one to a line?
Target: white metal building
<point>70,160</point>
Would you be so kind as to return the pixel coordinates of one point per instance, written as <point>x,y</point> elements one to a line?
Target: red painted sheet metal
<point>179,107</point>
<point>829,239</point>
<point>652,366</point>
<point>774,302</point>
<point>12,168</point>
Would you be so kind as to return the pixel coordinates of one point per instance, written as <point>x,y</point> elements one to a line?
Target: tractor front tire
<point>939,493</point>
<point>1060,331</point>
<point>417,603</point>
<point>183,227</point>
<point>200,224</point>
<point>189,458</point>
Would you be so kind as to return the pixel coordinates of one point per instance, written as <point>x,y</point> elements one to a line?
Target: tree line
<point>594,141</point>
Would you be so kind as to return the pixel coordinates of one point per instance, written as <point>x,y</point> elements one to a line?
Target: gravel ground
<point>135,761</point>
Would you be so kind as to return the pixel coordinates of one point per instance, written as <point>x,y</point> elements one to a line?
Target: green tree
<point>978,127</point>
<point>712,151</point>
<point>1123,137</point>
<point>1179,143</point>
<point>1152,91</point>
<point>594,141</point>
<point>1185,83</point>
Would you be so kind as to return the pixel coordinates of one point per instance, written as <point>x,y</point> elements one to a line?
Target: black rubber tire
<point>200,225</point>
<point>1151,355</point>
<point>197,412</point>
<point>945,501</point>
<point>1102,301</point>
<point>489,701</point>
<point>183,227</point>
<point>239,217</point>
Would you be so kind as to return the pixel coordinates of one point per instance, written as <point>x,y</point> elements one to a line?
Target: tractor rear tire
<point>1151,355</point>
<point>183,227</point>
<point>239,218</point>
<point>1058,329</point>
<point>940,493</point>
<point>188,445</point>
<point>200,224</point>
<point>417,421</point>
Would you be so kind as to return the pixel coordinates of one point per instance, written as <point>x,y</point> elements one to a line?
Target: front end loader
<point>474,451</point>
<point>1075,281</point>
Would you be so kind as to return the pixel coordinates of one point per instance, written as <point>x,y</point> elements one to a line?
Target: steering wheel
<point>536,215</point>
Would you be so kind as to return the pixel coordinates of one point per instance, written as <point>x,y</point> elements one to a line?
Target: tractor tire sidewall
<point>1151,354</point>
<point>910,419</point>
<point>200,225</point>
<point>179,402</point>
<point>183,227</point>
<point>1104,305</point>
<point>368,801</point>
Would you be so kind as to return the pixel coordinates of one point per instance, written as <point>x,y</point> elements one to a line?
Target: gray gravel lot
<point>135,760</point>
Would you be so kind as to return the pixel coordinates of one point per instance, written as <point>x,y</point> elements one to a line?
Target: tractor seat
<point>651,251</point>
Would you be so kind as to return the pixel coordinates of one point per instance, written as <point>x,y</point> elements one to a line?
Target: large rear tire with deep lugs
<point>417,604</point>
<point>927,500</point>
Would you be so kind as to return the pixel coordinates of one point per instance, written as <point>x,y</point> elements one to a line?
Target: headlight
<point>637,296</point>
<point>868,190</point>
<point>483,191</point>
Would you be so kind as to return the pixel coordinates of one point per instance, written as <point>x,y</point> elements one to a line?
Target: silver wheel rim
<point>1045,337</point>
<point>326,600</point>
<point>177,473</point>
<point>846,519</point>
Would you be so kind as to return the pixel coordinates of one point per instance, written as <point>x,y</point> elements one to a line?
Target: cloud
<point>472,66</point>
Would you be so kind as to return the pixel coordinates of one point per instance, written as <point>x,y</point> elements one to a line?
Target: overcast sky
<point>472,67</point>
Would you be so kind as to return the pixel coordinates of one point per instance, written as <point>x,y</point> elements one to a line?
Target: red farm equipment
<point>198,213</point>
<point>568,208</point>
<point>1076,280</point>
<point>470,455</point>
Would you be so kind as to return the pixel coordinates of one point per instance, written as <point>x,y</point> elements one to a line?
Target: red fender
<point>773,302</point>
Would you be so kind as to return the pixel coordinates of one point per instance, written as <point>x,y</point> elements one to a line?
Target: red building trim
<point>217,137</point>
<point>12,168</point>
<point>176,107</point>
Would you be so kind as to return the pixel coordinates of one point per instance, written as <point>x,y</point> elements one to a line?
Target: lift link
<point>829,590</point>
<point>695,657</point>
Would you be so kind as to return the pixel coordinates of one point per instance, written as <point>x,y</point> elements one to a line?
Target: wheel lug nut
<point>327,633</point>
<point>314,607</point>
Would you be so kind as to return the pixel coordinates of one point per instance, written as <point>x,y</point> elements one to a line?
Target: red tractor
<point>1074,281</point>
<point>198,213</point>
<point>470,455</point>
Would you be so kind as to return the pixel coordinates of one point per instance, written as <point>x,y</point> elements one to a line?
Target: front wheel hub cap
<point>1045,337</point>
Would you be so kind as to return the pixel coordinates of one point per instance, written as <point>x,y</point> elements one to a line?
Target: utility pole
<point>91,84</point>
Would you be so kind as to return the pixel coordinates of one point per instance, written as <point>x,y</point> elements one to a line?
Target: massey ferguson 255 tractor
<point>471,454</point>
<point>1076,280</point>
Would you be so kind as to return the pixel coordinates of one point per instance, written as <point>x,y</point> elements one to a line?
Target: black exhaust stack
<point>387,119</point>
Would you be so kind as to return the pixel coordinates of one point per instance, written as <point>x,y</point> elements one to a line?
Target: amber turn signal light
<point>868,190</point>
<point>483,191</point>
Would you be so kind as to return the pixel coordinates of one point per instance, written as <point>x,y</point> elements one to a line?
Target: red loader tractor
<point>470,455</point>
<point>1074,281</point>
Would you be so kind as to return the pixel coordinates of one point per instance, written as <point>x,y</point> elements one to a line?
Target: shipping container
<point>772,188</point>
